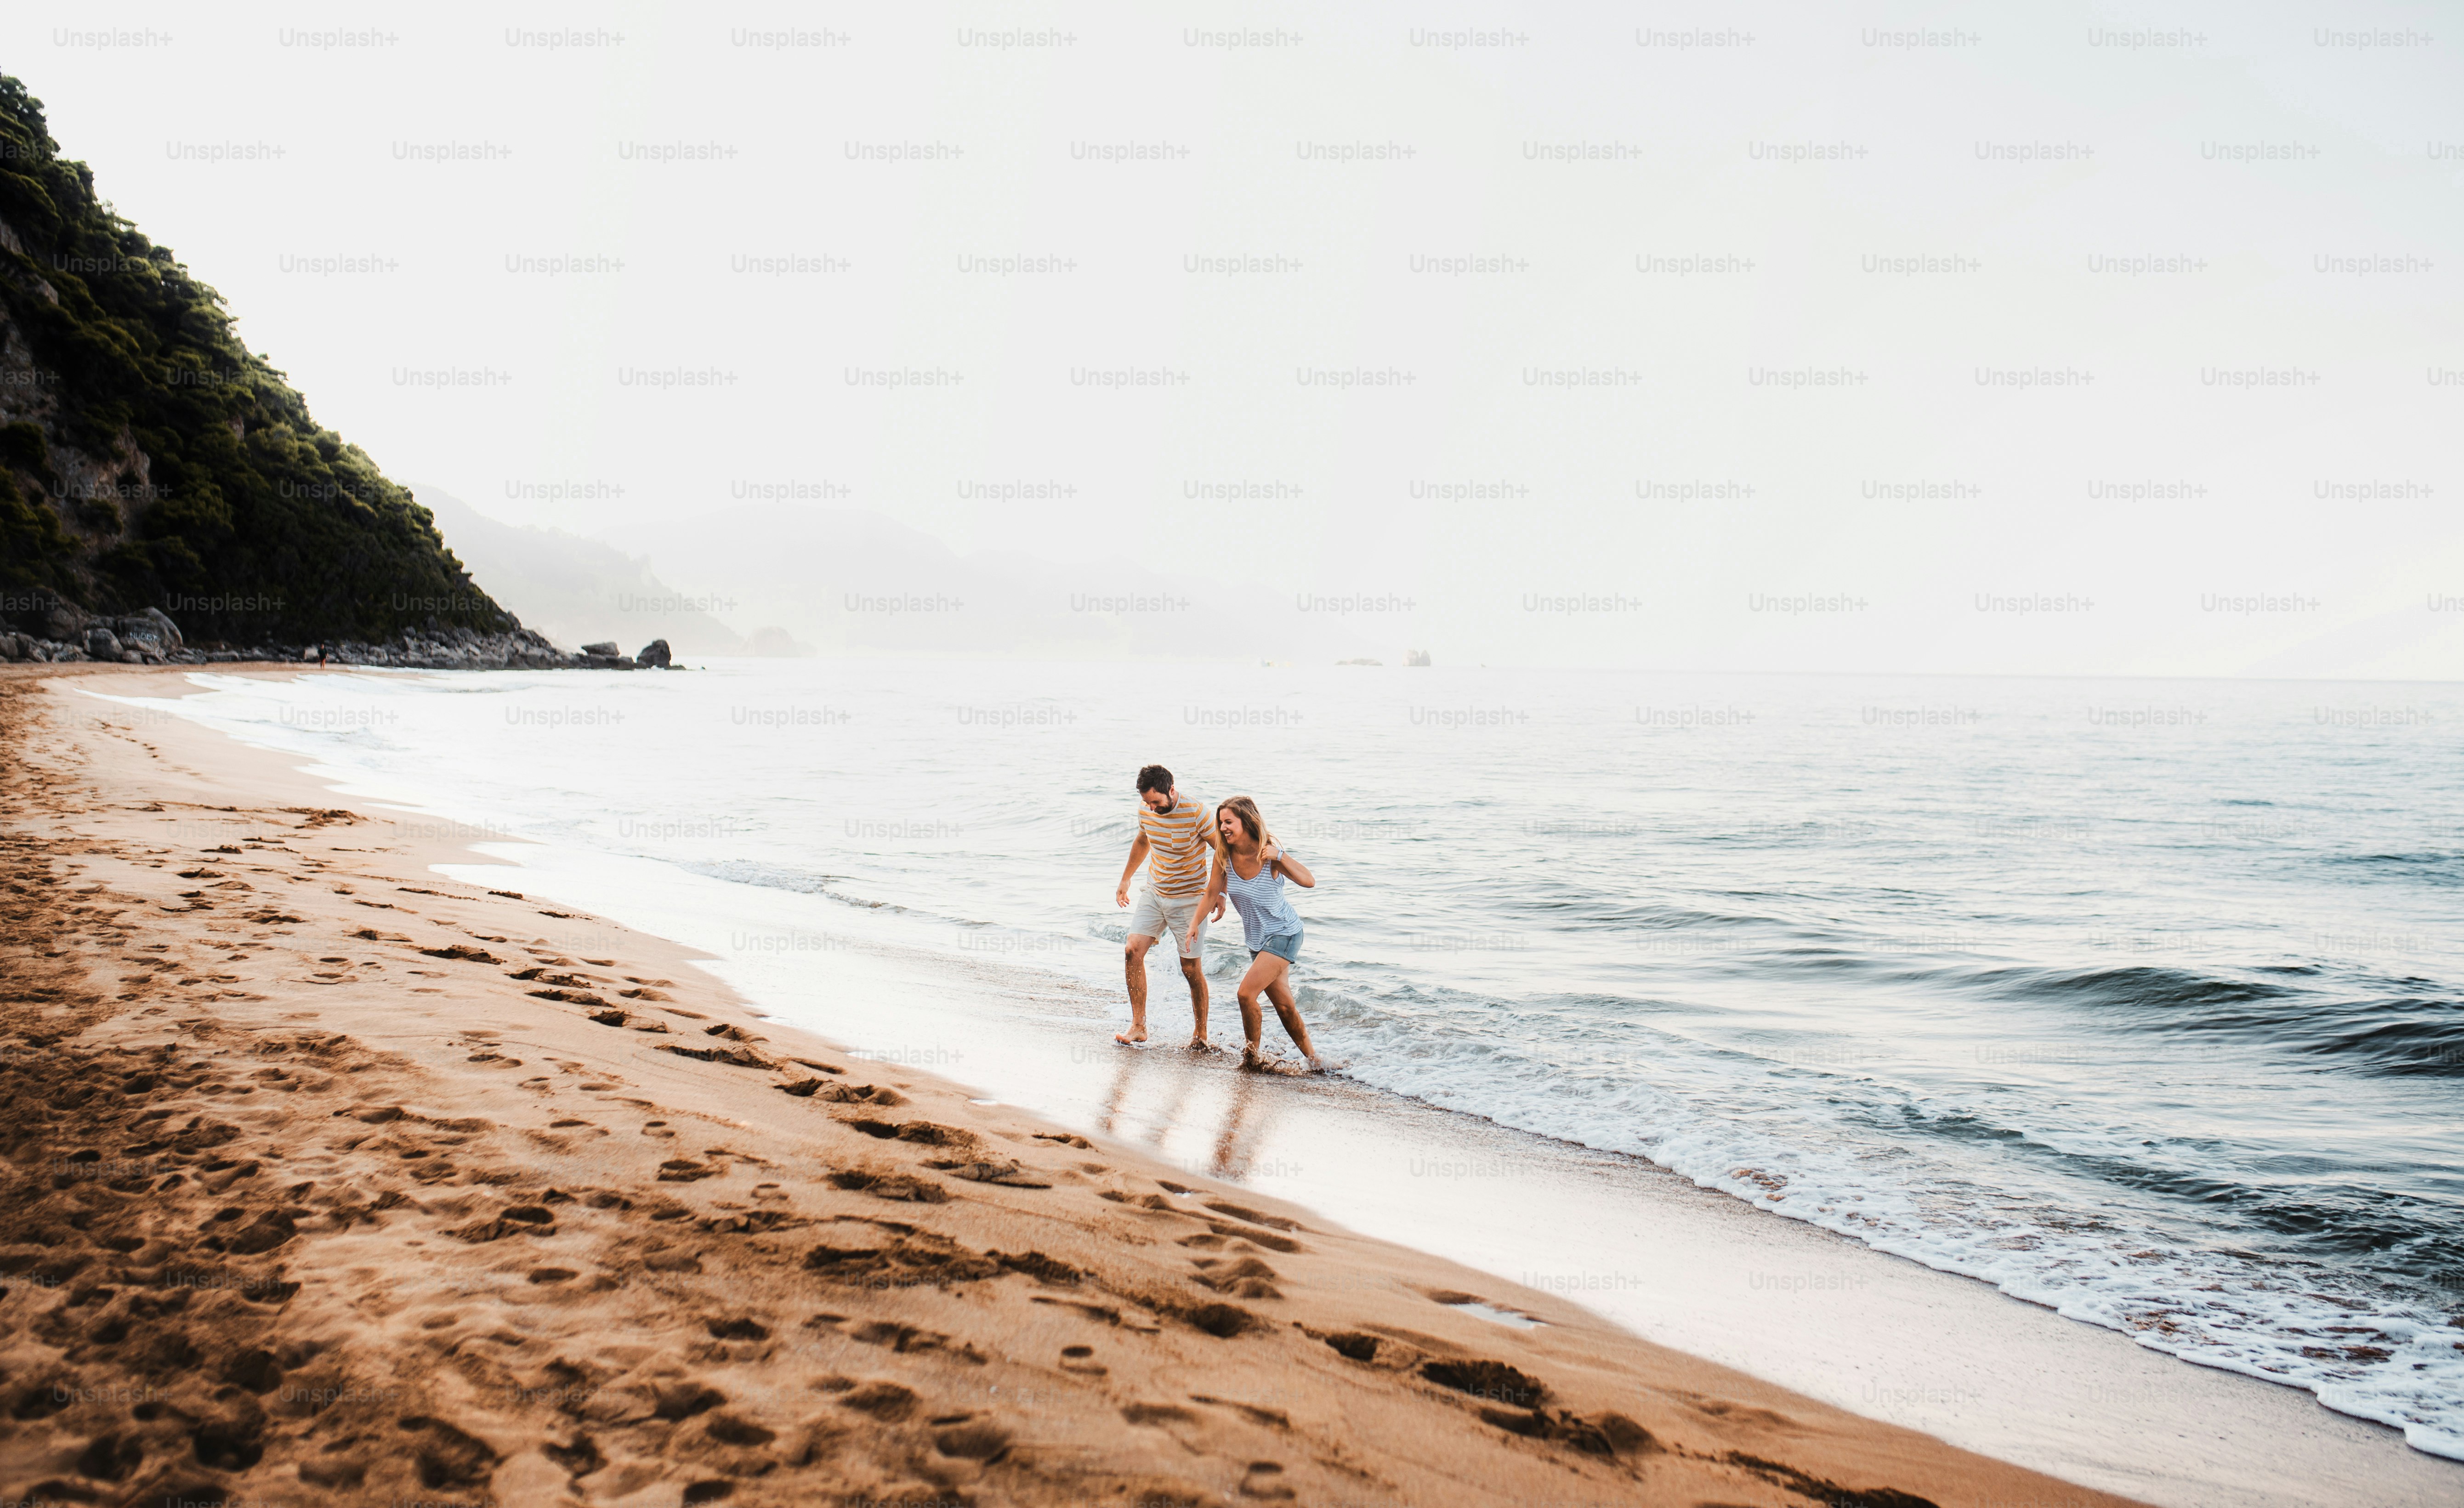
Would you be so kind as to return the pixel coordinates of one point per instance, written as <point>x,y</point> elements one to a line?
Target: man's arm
<point>1137,857</point>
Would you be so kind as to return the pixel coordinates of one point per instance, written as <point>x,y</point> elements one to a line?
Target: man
<point>1177,836</point>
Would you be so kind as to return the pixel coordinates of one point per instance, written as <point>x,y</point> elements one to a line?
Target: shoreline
<point>1645,1248</point>
<point>545,1259</point>
<point>836,1411</point>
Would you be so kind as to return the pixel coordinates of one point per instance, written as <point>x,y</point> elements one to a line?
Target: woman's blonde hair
<point>1245,809</point>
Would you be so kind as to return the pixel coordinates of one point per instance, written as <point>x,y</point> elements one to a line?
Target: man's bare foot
<point>1136,1036</point>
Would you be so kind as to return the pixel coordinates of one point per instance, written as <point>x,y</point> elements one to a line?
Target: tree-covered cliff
<point>148,459</point>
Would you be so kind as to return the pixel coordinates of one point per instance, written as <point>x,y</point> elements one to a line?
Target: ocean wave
<point>2139,987</point>
<point>2425,1039</point>
<point>2415,868</point>
<point>778,877</point>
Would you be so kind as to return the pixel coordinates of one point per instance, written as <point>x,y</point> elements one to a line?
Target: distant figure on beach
<point>1251,868</point>
<point>1175,839</point>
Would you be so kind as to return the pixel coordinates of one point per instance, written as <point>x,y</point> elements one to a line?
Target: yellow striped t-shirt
<point>1177,846</point>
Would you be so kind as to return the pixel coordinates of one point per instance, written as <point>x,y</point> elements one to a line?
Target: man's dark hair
<point>1155,777</point>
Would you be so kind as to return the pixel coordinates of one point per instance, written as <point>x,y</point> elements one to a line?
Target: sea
<point>2141,1000</point>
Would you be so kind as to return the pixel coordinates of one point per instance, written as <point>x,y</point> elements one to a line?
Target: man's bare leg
<point>1133,958</point>
<point>1193,970</point>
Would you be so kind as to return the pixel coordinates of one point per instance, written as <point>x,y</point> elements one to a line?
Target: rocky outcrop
<point>72,633</point>
<point>654,656</point>
<point>152,638</point>
<point>467,649</point>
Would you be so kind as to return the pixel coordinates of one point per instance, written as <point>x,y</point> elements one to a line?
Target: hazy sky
<point>2063,338</point>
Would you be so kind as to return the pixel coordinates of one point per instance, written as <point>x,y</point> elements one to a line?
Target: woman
<point>1251,869</point>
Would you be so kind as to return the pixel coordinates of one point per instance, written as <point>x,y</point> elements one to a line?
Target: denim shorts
<point>1286,946</point>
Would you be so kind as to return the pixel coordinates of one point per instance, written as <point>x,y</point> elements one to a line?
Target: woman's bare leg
<point>1270,977</point>
<point>1288,1012</point>
<point>1265,971</point>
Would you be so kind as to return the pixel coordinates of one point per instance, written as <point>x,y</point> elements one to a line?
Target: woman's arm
<point>1211,901</point>
<point>1293,869</point>
<point>1211,904</point>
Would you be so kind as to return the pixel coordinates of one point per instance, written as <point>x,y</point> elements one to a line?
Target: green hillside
<point>148,459</point>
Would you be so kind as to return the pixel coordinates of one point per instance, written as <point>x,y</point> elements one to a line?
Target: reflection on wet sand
<point>1159,1096</point>
<point>1246,1120</point>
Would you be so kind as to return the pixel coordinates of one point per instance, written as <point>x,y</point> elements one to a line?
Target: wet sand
<point>335,1180</point>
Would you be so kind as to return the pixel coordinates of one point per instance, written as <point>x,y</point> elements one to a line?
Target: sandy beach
<point>334,1181</point>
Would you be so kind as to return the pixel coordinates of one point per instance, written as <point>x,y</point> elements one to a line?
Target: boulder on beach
<point>605,646</point>
<point>102,643</point>
<point>153,627</point>
<point>654,654</point>
<point>149,636</point>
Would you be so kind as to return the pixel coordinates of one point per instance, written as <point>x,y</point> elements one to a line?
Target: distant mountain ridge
<point>149,460</point>
<point>855,582</point>
<point>576,590</point>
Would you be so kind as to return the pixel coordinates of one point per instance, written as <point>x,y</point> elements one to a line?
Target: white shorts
<point>1153,915</point>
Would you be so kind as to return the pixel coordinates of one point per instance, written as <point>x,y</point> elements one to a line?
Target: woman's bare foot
<point>1250,1059</point>
<point>1200,1044</point>
<point>1135,1037</point>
